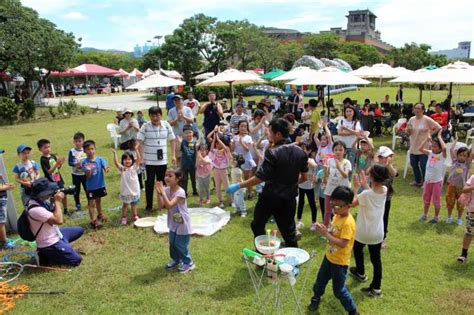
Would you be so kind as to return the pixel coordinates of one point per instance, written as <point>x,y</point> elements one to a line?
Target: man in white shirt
<point>178,117</point>
<point>192,103</point>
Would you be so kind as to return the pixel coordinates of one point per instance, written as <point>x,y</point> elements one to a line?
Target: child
<point>456,179</point>
<point>75,158</point>
<point>239,195</point>
<point>364,154</point>
<point>259,147</point>
<point>369,226</point>
<point>306,188</point>
<point>188,159</point>
<point>469,201</point>
<point>434,176</point>
<point>4,187</point>
<point>241,144</point>
<point>221,157</point>
<point>129,186</point>
<point>340,236</point>
<point>51,165</point>
<point>336,173</point>
<point>385,158</point>
<point>94,167</point>
<point>141,120</point>
<point>203,173</point>
<point>173,198</point>
<point>141,171</point>
<point>25,172</point>
<point>324,143</point>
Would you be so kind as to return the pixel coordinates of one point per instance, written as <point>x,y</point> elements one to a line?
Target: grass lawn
<point>122,270</point>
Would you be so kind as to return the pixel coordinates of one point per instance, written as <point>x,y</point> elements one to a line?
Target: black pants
<point>374,251</point>
<point>140,180</point>
<point>283,212</point>
<point>78,180</point>
<point>321,206</point>
<point>388,204</point>
<point>153,172</point>
<point>191,173</point>
<point>312,204</point>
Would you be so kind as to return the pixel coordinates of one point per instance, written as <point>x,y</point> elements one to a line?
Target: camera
<point>67,190</point>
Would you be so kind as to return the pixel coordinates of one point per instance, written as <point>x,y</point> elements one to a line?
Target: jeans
<point>338,274</point>
<point>386,213</point>
<point>152,172</point>
<point>418,164</point>
<point>239,200</point>
<point>61,253</point>
<point>351,156</point>
<point>283,211</point>
<point>189,174</point>
<point>204,190</point>
<point>77,181</point>
<point>312,203</point>
<point>374,251</point>
<point>179,248</point>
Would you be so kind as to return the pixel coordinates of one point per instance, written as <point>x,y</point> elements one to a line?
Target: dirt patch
<point>459,301</point>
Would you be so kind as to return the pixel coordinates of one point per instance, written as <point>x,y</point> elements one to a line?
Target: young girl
<point>369,226</point>
<point>221,157</point>
<point>364,154</point>
<point>133,148</point>
<point>239,195</point>
<point>456,179</point>
<point>306,188</point>
<point>173,198</point>
<point>434,176</point>
<point>242,144</point>
<point>129,185</point>
<point>260,147</point>
<point>203,173</point>
<point>468,199</point>
<point>336,173</point>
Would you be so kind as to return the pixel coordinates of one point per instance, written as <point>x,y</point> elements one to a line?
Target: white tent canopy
<point>328,76</point>
<point>456,72</point>
<point>204,76</point>
<point>136,73</point>
<point>155,81</point>
<point>295,73</point>
<point>232,76</point>
<point>377,71</point>
<point>170,73</point>
<point>148,72</point>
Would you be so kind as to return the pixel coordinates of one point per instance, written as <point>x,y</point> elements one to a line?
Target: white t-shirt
<point>129,185</point>
<point>323,152</point>
<point>369,224</point>
<point>193,104</point>
<point>131,133</point>
<point>155,138</point>
<point>308,184</point>
<point>239,149</point>
<point>335,178</point>
<point>354,125</point>
<point>435,168</point>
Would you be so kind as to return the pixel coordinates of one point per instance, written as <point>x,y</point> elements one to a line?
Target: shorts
<point>248,165</point>
<point>3,210</point>
<point>97,193</point>
<point>132,200</point>
<point>470,223</point>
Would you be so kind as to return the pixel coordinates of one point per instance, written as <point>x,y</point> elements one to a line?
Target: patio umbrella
<point>294,74</point>
<point>232,77</point>
<point>273,74</point>
<point>263,90</point>
<point>377,71</point>
<point>171,74</point>
<point>155,81</point>
<point>204,76</point>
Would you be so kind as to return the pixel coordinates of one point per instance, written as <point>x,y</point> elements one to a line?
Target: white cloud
<point>75,16</point>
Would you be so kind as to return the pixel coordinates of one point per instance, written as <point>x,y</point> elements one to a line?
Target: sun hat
<point>127,110</point>
<point>43,187</point>
<point>384,151</point>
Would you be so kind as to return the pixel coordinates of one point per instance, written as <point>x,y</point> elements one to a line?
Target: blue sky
<point>121,24</point>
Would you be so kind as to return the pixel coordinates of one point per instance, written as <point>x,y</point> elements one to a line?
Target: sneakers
<point>102,218</point>
<point>384,244</point>
<point>459,221</point>
<point>208,201</point>
<point>434,221</point>
<point>172,265</point>
<point>298,235</point>
<point>186,268</point>
<point>299,224</point>
<point>96,225</point>
<point>201,203</point>
<point>124,221</point>
<point>135,218</point>
<point>313,227</point>
<point>423,217</point>
<point>243,214</point>
<point>449,220</point>
<point>462,259</point>
<point>221,205</point>
<point>78,207</point>
<point>148,211</point>
<point>372,292</point>
<point>353,273</point>
<point>313,306</point>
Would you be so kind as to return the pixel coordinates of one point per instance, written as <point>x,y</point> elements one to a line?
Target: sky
<point>121,24</point>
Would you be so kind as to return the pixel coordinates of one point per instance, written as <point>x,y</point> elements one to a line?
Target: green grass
<point>123,272</point>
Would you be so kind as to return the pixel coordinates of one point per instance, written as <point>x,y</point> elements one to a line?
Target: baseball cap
<point>176,96</point>
<point>21,148</point>
<point>384,151</point>
<point>43,187</point>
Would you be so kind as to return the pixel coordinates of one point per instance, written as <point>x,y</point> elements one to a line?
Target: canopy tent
<point>294,74</point>
<point>171,74</point>
<point>136,73</point>
<point>263,90</point>
<point>122,73</point>
<point>204,76</point>
<point>155,81</point>
<point>232,77</point>
<point>87,69</point>
<point>148,72</point>
<point>273,74</point>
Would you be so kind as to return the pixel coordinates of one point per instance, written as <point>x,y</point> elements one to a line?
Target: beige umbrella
<point>295,73</point>
<point>155,81</point>
<point>378,71</point>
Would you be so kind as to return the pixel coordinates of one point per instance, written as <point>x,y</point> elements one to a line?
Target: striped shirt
<point>155,138</point>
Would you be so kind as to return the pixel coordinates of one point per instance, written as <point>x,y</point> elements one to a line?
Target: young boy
<point>340,236</point>
<point>94,167</point>
<point>25,172</point>
<point>188,159</point>
<point>4,187</point>
<point>51,165</point>
<point>75,158</point>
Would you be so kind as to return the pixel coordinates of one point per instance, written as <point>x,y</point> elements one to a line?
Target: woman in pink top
<point>221,157</point>
<point>418,128</point>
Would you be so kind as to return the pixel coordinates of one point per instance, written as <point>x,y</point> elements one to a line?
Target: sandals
<point>102,218</point>
<point>124,221</point>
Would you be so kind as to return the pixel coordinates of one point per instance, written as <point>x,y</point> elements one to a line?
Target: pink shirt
<point>420,128</point>
<point>220,160</point>
<point>49,233</point>
<point>203,168</point>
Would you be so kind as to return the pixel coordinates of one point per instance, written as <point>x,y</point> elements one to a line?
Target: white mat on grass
<point>204,221</point>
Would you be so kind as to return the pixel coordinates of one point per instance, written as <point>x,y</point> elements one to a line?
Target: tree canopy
<point>413,56</point>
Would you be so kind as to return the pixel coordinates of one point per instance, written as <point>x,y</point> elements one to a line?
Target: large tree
<point>413,56</point>
<point>358,54</point>
<point>289,52</point>
<point>321,45</point>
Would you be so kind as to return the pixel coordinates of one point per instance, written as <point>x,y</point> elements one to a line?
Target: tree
<point>321,45</point>
<point>108,59</point>
<point>266,53</point>
<point>358,54</point>
<point>289,52</point>
<point>413,56</point>
<point>29,43</point>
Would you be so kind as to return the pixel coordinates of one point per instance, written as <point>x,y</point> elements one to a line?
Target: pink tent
<point>122,73</point>
<point>136,73</point>
<point>86,69</point>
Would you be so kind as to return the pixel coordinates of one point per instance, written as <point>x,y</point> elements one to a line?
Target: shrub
<point>51,111</point>
<point>8,110</point>
<point>60,107</point>
<point>29,109</point>
<point>83,109</point>
<point>70,107</point>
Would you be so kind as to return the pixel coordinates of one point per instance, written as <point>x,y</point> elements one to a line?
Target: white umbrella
<point>155,81</point>
<point>377,71</point>
<point>295,73</point>
<point>204,76</point>
<point>171,73</point>
<point>456,72</point>
<point>232,77</point>
<point>328,76</point>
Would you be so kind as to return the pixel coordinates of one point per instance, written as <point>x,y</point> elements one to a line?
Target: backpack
<point>23,224</point>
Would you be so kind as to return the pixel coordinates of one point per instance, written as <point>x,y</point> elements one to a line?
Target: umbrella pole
<point>231,96</point>
<point>421,94</point>
<point>450,88</point>
<point>380,82</point>
<point>329,109</point>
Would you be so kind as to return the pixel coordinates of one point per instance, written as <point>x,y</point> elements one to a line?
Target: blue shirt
<point>169,101</point>
<point>96,180</point>
<point>188,158</point>
<point>26,170</point>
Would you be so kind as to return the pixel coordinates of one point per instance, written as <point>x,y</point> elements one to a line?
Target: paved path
<point>135,101</point>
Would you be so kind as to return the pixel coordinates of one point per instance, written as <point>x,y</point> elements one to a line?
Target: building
<point>463,51</point>
<point>140,51</point>
<point>282,34</point>
<point>361,28</point>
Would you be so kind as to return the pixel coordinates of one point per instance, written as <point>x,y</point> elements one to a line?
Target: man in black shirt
<point>212,113</point>
<point>293,101</point>
<point>284,166</point>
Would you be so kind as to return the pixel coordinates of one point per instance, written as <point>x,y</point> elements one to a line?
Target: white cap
<point>384,151</point>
